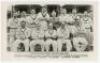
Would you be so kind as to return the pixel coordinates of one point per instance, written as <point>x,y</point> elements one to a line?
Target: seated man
<point>50,35</point>
<point>80,43</point>
<point>63,38</point>
<point>22,35</point>
<point>37,38</point>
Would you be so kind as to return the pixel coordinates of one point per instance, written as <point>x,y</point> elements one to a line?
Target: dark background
<point>50,8</point>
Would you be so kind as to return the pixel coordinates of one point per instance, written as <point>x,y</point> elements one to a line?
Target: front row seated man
<point>63,42</point>
<point>22,35</point>
<point>37,39</point>
<point>51,35</point>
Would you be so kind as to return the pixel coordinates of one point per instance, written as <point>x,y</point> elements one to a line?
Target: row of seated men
<point>45,31</point>
<point>50,37</point>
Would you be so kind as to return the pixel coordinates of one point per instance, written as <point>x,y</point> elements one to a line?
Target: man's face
<point>63,11</point>
<point>15,15</point>
<point>18,12</point>
<point>85,13</point>
<point>44,10</point>
<point>53,14</point>
<point>23,14</point>
<point>33,11</point>
<point>23,24</point>
<point>74,11</point>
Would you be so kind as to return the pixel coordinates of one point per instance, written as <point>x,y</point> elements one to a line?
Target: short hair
<point>32,9</point>
<point>22,22</point>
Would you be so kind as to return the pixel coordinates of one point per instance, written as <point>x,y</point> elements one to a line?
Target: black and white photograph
<point>48,30</point>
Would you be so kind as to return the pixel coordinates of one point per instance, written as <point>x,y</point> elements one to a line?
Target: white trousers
<point>60,43</point>
<point>51,42</point>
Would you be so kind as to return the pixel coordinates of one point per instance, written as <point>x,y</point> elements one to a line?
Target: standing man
<point>42,18</point>
<point>23,17</point>
<point>54,20</point>
<point>72,26</point>
<point>32,19</point>
<point>86,22</point>
<point>12,27</point>
<point>65,17</point>
<point>14,21</point>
